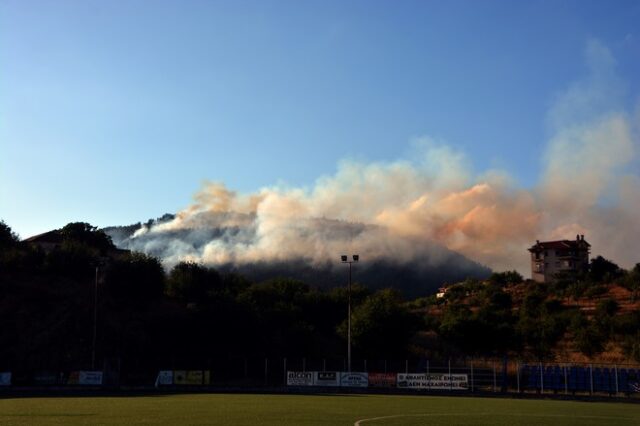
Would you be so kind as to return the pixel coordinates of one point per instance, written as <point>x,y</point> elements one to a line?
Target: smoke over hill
<point>416,267</point>
<point>420,211</point>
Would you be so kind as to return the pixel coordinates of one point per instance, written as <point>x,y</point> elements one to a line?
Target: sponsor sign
<point>5,379</point>
<point>74,378</point>
<point>45,378</point>
<point>433,381</point>
<point>353,379</point>
<point>198,377</point>
<point>191,377</point>
<point>300,378</point>
<point>382,380</point>
<point>165,377</point>
<point>180,377</point>
<point>326,378</point>
<point>90,377</point>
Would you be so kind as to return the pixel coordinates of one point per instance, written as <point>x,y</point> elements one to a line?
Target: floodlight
<point>344,257</point>
<point>356,257</point>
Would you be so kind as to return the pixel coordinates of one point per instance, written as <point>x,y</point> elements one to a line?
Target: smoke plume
<point>412,209</point>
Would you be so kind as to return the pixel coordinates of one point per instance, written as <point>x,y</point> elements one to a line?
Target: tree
<point>85,233</point>
<point>541,323</point>
<point>601,270</point>
<point>381,326</point>
<point>503,278</point>
<point>632,281</point>
<point>8,238</point>
<point>588,337</point>
<point>136,278</point>
<point>191,282</point>
<point>10,254</point>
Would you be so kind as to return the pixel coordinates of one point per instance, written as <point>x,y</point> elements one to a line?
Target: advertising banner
<point>165,378</point>
<point>326,378</point>
<point>382,380</point>
<point>180,377</point>
<point>45,378</point>
<point>90,377</point>
<point>354,379</point>
<point>5,378</point>
<point>191,377</point>
<point>299,378</point>
<point>433,381</point>
<point>74,378</point>
<point>198,377</point>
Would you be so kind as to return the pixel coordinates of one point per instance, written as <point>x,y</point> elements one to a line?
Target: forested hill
<point>417,277</point>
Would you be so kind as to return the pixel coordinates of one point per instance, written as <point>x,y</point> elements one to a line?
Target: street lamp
<point>100,262</point>
<point>95,320</point>
<point>345,259</point>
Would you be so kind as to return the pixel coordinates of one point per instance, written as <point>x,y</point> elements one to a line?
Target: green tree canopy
<point>191,282</point>
<point>135,278</point>
<point>381,326</point>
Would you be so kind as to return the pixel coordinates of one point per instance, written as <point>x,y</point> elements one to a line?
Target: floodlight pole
<point>95,321</point>
<point>355,258</point>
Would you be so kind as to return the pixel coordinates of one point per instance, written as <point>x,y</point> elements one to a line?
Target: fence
<point>470,375</point>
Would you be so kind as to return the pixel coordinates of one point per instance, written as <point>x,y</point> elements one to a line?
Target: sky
<point>116,112</point>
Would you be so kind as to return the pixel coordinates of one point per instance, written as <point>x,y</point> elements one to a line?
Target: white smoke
<point>404,210</point>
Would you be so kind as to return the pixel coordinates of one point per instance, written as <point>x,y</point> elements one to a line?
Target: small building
<point>48,241</point>
<point>551,257</point>
<point>53,240</point>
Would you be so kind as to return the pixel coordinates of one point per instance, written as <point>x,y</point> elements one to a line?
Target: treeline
<point>149,318</point>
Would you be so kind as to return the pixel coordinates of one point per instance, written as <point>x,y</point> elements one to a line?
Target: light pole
<point>95,321</point>
<point>345,259</point>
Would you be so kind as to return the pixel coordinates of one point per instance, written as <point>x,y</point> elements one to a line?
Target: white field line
<point>375,419</point>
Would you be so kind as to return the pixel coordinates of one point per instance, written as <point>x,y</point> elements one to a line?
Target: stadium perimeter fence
<point>469,375</point>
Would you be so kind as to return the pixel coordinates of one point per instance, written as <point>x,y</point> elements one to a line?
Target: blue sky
<point>113,112</point>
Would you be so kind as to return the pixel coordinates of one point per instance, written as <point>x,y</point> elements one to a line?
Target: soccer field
<point>348,410</point>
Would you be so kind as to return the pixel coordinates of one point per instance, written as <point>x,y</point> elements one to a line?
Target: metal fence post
<point>304,365</point>
<point>406,366</point>
<point>616,370</point>
<point>518,376</point>
<point>566,382</point>
<point>365,366</point>
<point>285,371</point>
<point>428,378</point>
<point>472,384</point>
<point>266,371</point>
<point>450,384</point>
<point>494,376</point>
<point>591,377</point>
<point>541,379</point>
<point>324,364</point>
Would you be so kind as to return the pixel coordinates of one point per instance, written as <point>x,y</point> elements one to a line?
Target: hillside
<point>587,321</point>
<point>419,275</point>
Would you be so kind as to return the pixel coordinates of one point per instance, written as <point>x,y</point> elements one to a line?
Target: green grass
<point>239,410</point>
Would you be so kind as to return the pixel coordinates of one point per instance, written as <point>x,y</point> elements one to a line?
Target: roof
<point>54,236</point>
<point>559,245</point>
